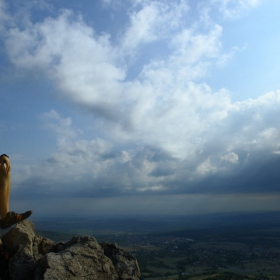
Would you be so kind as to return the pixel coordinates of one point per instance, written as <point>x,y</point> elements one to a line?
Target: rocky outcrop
<point>123,262</point>
<point>79,258</point>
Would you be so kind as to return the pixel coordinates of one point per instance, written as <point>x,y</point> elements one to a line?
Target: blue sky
<point>141,107</point>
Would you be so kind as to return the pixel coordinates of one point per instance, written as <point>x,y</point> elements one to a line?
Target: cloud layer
<point>158,127</point>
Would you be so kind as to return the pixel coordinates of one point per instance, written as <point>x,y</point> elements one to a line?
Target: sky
<point>141,107</point>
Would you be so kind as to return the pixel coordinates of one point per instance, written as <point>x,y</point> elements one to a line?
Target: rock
<point>124,263</point>
<point>79,258</point>
<point>82,258</point>
<point>42,246</point>
<point>22,234</point>
<point>21,267</point>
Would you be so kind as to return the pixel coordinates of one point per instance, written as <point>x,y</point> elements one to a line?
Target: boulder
<point>80,258</point>
<point>21,267</point>
<point>22,234</point>
<point>124,263</point>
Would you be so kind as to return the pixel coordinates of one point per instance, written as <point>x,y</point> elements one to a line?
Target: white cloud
<point>206,167</point>
<point>232,9</point>
<point>80,63</point>
<point>125,157</point>
<point>4,16</point>
<point>167,106</point>
<point>61,127</point>
<point>154,20</point>
<point>162,107</point>
<point>231,157</point>
<point>192,55</point>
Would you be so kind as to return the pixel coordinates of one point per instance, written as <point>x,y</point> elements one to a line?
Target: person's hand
<point>4,161</point>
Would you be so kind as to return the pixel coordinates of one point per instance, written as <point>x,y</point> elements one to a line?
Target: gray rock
<point>42,246</point>
<point>82,258</point>
<point>21,267</point>
<point>124,262</point>
<point>79,258</point>
<point>22,234</point>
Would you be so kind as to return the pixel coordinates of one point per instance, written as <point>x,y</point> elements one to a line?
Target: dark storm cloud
<point>107,156</point>
<point>152,171</point>
<point>257,174</point>
<point>162,172</point>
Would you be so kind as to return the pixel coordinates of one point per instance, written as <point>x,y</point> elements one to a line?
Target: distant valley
<point>220,246</point>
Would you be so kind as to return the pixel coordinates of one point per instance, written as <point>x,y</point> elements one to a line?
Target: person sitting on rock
<point>7,218</point>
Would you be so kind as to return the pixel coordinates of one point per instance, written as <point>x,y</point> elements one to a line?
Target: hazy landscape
<point>212,246</point>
